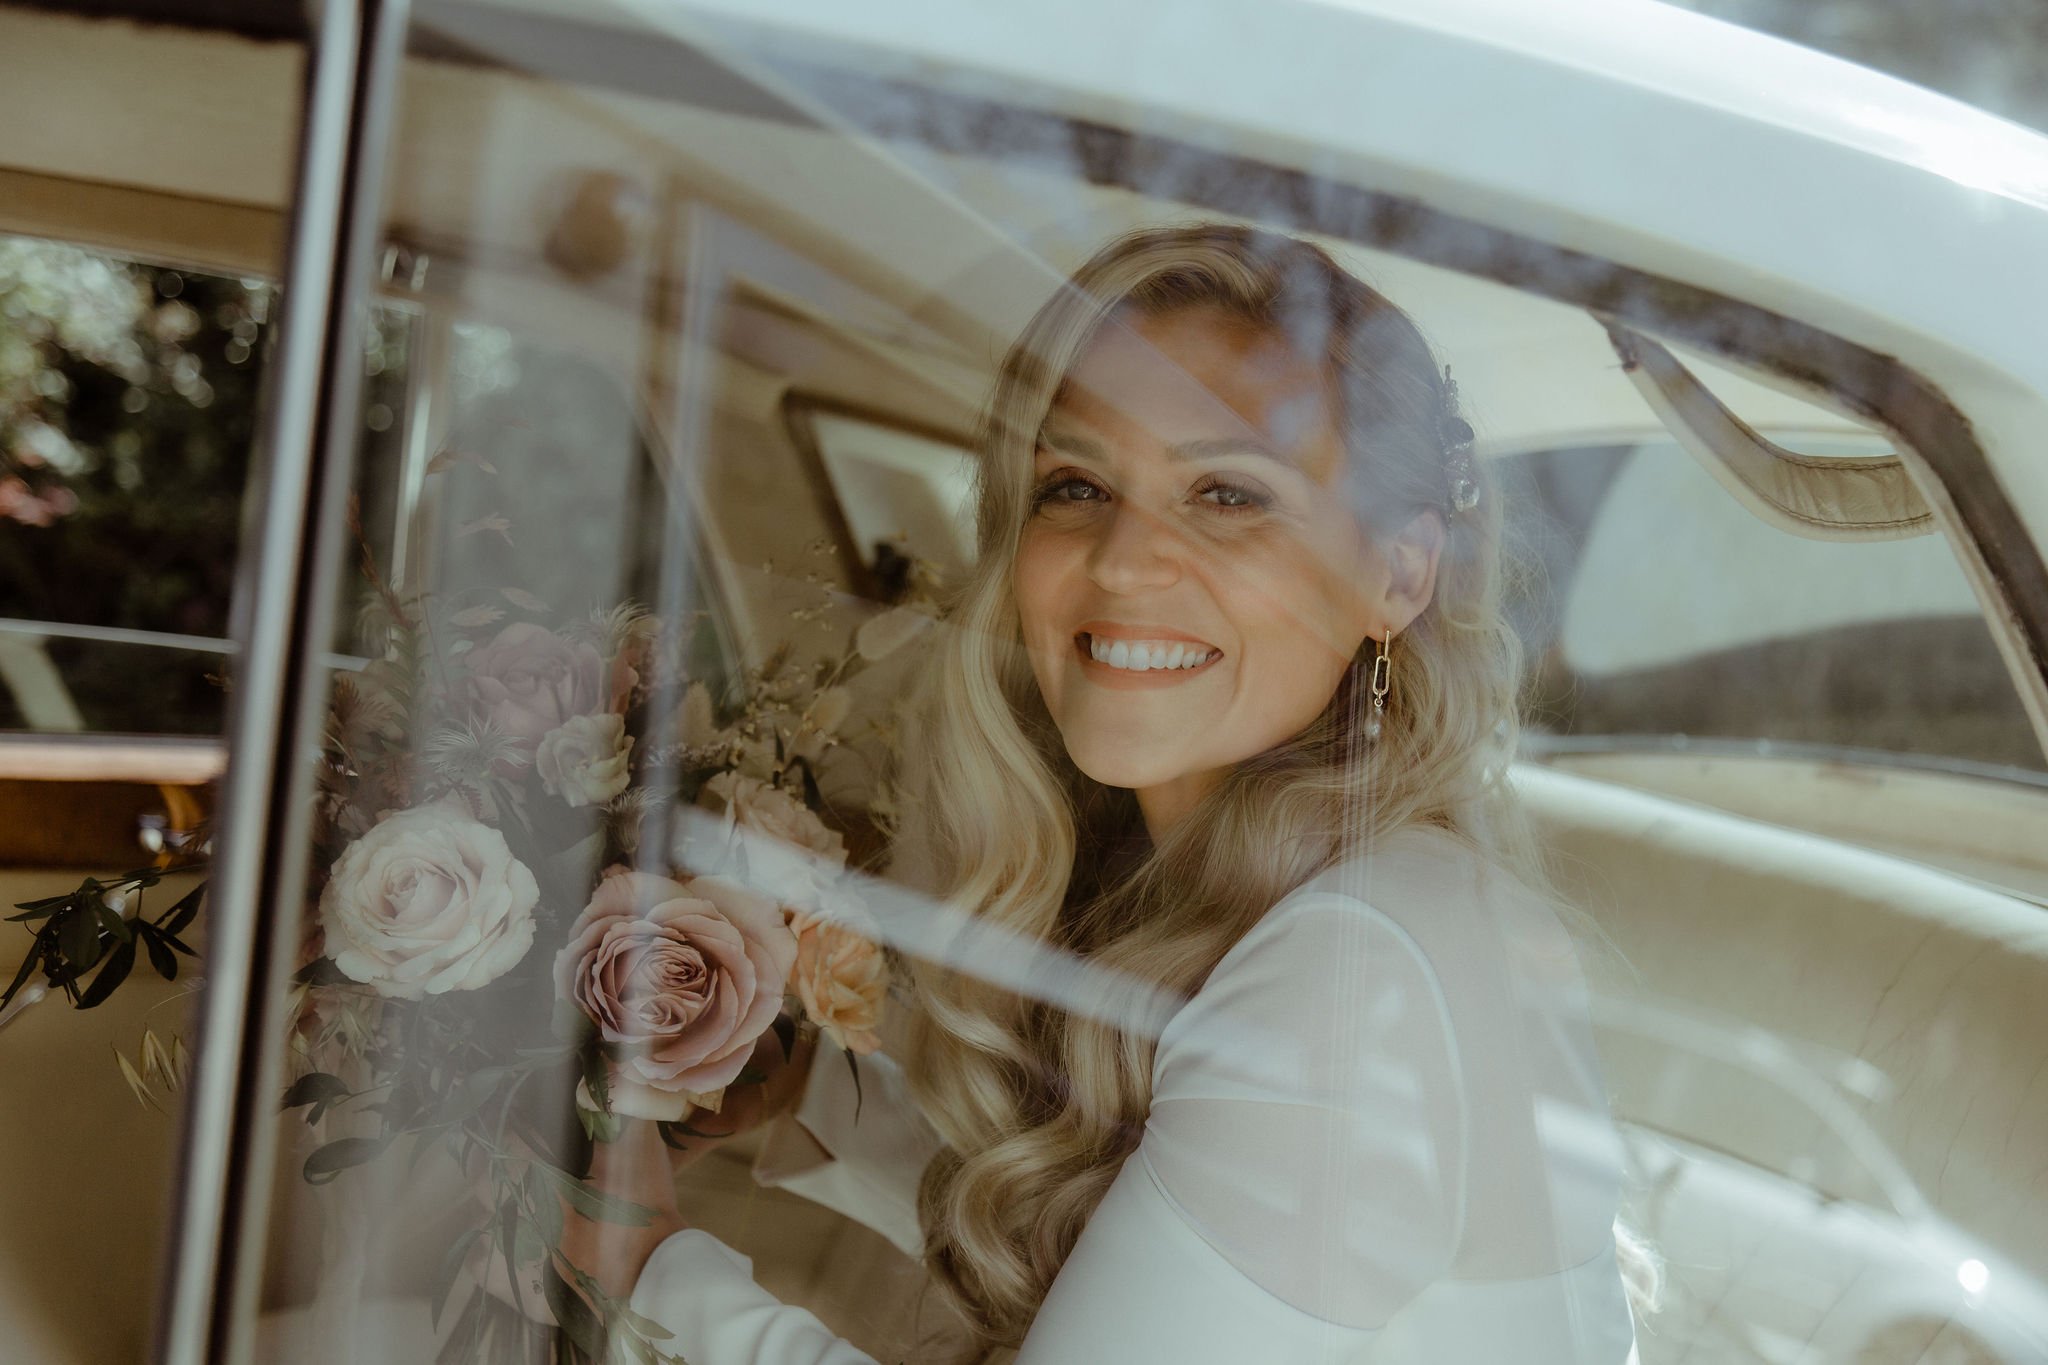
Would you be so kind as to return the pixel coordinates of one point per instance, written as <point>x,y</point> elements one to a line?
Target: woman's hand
<point>633,1168</point>
<point>750,1104</point>
<point>639,1168</point>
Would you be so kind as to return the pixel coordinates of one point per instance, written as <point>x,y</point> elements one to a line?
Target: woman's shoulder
<point>1406,884</point>
<point>1424,925</point>
<point>1325,971</point>
<point>1437,891</point>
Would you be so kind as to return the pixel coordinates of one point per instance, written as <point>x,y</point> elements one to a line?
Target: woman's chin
<point>1120,766</point>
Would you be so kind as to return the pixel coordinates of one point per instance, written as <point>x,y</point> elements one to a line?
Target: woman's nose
<point>1137,550</point>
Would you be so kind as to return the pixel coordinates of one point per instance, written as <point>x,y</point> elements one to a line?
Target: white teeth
<point>1143,655</point>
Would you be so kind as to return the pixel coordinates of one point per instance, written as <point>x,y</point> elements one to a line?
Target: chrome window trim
<point>284,601</point>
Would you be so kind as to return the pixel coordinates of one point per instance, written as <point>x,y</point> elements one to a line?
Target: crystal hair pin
<point>1457,439</point>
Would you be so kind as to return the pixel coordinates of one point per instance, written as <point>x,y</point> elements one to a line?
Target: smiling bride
<point>1225,710</point>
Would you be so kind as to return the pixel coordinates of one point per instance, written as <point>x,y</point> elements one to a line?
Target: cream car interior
<point>1832,907</point>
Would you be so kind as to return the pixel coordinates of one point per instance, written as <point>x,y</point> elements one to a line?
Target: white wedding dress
<point>1378,1135</point>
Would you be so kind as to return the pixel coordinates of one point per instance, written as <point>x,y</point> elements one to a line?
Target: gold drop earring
<point>1382,682</point>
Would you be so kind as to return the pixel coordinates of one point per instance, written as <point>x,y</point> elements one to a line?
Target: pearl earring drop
<point>1382,680</point>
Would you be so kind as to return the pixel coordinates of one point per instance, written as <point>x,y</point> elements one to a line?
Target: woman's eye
<point>1067,489</point>
<point>1233,497</point>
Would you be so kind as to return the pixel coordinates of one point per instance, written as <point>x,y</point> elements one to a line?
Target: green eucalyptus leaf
<point>574,1315</point>
<point>451,1270</point>
<point>317,1088</point>
<point>527,1247</point>
<point>461,1346</point>
<point>160,955</point>
<point>113,922</point>
<point>45,905</point>
<point>508,1247</point>
<point>595,1204</point>
<point>40,910</point>
<point>647,1328</point>
<point>113,974</point>
<point>421,1141</point>
<point>326,1162</point>
<point>598,1077</point>
<point>599,1126</point>
<point>629,1347</point>
<point>21,973</point>
<point>78,939</point>
<point>185,911</point>
<point>545,1205</point>
<point>471,1093</point>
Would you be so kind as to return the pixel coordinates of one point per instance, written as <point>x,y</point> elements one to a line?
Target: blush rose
<point>681,978</point>
<point>528,680</point>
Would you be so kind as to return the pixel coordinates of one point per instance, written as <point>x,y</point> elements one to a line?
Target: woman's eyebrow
<point>1071,443</point>
<point>1225,447</point>
<point>1204,448</point>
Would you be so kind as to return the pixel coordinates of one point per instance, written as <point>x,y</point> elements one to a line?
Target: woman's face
<point>1191,580</point>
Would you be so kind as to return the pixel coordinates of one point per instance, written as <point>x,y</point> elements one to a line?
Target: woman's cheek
<point>1036,580</point>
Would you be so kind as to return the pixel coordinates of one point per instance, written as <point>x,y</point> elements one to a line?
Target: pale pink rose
<point>768,839</point>
<point>583,761</point>
<point>429,900</point>
<point>683,977</point>
<point>530,680</point>
<point>842,979</point>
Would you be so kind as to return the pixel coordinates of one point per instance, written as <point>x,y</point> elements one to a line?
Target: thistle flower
<point>467,753</point>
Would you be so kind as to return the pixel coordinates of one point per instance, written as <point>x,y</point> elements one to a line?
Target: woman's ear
<point>1412,556</point>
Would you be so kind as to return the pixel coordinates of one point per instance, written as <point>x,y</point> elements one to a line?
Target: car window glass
<point>1666,611</point>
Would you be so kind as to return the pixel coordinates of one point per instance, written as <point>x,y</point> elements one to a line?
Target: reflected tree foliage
<point>128,399</point>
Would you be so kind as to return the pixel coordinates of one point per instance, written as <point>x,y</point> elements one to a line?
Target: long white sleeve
<point>704,1293</point>
<point>1356,1154</point>
<point>1377,1135</point>
<point>878,1143</point>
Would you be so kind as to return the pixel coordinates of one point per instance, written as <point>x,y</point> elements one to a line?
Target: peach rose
<point>842,980</point>
<point>429,900</point>
<point>681,977</point>
<point>529,680</point>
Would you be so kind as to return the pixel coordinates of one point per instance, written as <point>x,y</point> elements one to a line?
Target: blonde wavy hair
<point>1039,1106</point>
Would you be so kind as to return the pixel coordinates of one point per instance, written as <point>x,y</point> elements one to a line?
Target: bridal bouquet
<point>553,873</point>
<point>556,883</point>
